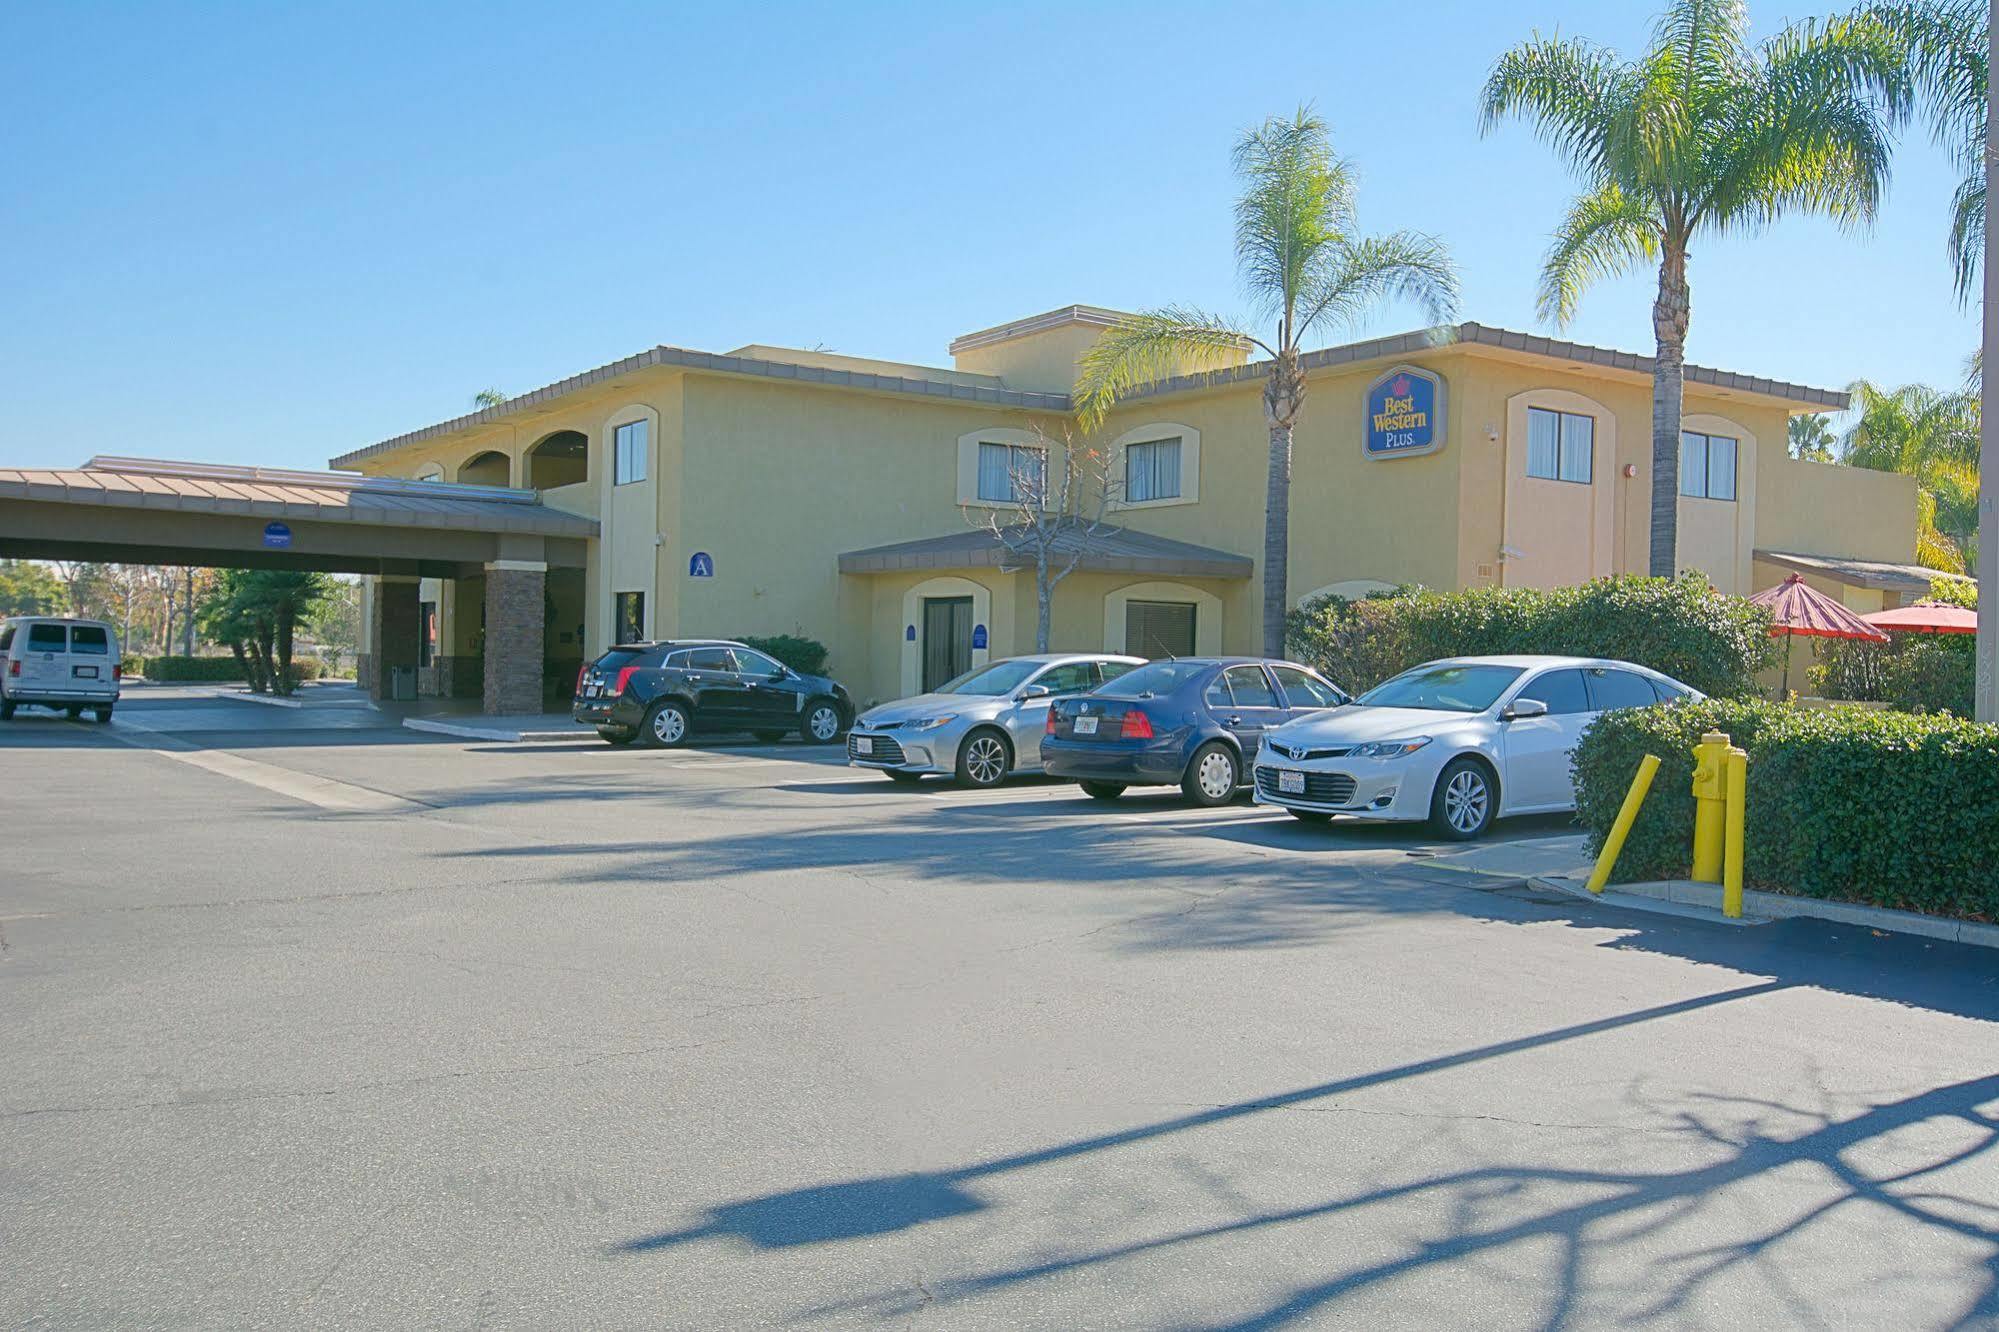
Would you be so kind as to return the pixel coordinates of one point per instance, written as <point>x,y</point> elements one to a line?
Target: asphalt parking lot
<point>310,1020</point>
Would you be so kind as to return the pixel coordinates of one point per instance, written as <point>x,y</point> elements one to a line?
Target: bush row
<point>1680,626</point>
<point>208,670</point>
<point>1913,672</point>
<point>1891,809</point>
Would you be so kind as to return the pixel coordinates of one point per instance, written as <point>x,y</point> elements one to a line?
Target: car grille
<point>1300,755</point>
<point>1321,788</point>
<point>885,750</point>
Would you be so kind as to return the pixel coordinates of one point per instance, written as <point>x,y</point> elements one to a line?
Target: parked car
<point>1191,721</point>
<point>1458,742</point>
<point>662,693</point>
<point>981,727</point>
<point>56,663</point>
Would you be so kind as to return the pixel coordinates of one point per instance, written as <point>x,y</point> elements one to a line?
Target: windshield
<point>1443,688</point>
<point>1154,678</point>
<point>1002,677</point>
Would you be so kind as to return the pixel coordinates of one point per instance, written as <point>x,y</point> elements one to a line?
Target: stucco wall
<point>1826,509</point>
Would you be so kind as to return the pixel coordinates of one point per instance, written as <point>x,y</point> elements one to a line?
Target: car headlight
<point>932,723</point>
<point>1389,748</point>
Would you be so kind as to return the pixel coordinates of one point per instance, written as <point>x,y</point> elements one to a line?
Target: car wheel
<point>103,716</point>
<point>983,759</point>
<point>902,778</point>
<point>74,714</point>
<point>617,735</point>
<point>1102,790</point>
<point>1212,776</point>
<point>1310,815</point>
<point>666,725</point>
<point>770,737</point>
<point>821,723</point>
<point>1465,801</point>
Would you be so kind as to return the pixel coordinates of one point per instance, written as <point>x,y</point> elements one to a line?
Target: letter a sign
<point>701,565</point>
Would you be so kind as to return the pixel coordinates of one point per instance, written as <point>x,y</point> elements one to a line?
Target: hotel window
<point>1707,466</point>
<point>629,444</point>
<point>1560,445</point>
<point>1159,628</point>
<point>631,616</point>
<point>1152,471</point>
<point>1010,473</point>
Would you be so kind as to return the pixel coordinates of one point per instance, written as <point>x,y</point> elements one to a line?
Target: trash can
<point>402,684</point>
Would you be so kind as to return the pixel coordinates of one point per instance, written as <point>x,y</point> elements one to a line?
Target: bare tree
<point>1059,492</point>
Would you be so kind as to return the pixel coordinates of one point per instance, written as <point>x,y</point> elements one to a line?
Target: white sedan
<point>1459,742</point>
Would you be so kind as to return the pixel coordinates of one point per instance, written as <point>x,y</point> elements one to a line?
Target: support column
<point>394,627</point>
<point>515,627</point>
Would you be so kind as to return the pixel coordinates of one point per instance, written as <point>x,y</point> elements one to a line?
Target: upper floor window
<point>1707,466</point>
<point>1561,446</point>
<point>1152,470</point>
<point>1010,473</point>
<point>629,443</point>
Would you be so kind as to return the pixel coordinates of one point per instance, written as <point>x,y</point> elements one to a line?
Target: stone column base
<point>516,623</point>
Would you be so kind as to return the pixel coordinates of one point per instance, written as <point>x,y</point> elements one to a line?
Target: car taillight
<point>118,671</point>
<point>14,668</point>
<point>1137,726</point>
<point>1049,725</point>
<point>624,673</point>
<point>582,672</point>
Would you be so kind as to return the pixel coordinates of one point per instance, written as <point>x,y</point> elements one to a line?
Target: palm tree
<point>1304,266</point>
<point>1945,58</point>
<point>1931,435</point>
<point>1811,438</point>
<point>485,398</point>
<point>1702,134</point>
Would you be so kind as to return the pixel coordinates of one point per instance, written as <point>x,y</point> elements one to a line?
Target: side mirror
<point>1524,707</point>
<point>781,673</point>
<point>1035,691</point>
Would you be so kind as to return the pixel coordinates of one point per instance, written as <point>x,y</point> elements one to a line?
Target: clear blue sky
<point>274,233</point>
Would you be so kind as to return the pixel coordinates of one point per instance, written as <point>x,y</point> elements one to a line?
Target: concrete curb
<point>1683,897</point>
<point>268,700</point>
<point>494,734</point>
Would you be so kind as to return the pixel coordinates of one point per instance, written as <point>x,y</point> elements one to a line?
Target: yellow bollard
<point>1621,829</point>
<point>1710,797</point>
<point>1738,803</point>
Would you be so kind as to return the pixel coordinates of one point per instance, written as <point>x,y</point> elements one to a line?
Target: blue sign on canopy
<point>701,565</point>
<point>1405,414</point>
<point>277,535</point>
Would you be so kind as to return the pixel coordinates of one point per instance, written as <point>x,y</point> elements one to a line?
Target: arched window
<point>562,459</point>
<point>491,468</point>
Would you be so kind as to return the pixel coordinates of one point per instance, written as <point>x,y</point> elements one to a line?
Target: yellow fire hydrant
<point>1710,806</point>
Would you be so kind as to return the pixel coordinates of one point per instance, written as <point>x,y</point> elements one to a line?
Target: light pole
<point>1988,431</point>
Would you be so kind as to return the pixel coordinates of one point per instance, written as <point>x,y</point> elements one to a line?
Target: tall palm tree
<point>1945,62</point>
<point>1811,438</point>
<point>1305,267</point>
<point>1931,435</point>
<point>1702,134</point>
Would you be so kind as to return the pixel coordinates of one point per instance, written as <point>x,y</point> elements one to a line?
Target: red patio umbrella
<point>1926,617</point>
<point>1800,611</point>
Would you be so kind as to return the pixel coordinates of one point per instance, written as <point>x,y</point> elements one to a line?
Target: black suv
<point>661,693</point>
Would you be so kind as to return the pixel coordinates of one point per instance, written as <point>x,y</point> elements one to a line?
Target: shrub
<point>807,656</point>
<point>207,670</point>
<point>1892,809</point>
<point>1913,672</point>
<point>1680,626</point>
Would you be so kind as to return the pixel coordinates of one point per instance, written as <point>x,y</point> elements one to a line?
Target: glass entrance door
<point>947,639</point>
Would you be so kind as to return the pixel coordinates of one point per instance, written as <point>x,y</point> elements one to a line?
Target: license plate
<point>1086,726</point>
<point>1291,783</point>
<point>86,672</point>
<point>863,745</point>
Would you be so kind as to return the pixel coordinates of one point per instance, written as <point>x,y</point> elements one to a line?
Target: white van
<point>57,663</point>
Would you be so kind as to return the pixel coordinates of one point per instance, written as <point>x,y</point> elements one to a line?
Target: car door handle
<point>1235,720</point>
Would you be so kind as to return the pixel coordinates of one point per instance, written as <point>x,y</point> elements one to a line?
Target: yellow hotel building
<point>775,491</point>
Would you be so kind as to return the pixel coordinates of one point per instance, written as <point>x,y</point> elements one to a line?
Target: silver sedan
<point>982,726</point>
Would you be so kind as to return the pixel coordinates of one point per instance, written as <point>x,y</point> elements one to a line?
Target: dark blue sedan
<point>1194,721</point>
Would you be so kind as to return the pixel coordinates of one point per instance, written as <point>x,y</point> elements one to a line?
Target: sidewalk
<point>1563,864</point>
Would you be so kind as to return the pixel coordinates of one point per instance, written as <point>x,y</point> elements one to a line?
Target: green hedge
<point>807,656</point>
<point>1913,672</point>
<point>1892,809</point>
<point>1680,626</point>
<point>208,670</point>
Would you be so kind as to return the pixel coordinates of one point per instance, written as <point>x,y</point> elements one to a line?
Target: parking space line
<point>323,792</point>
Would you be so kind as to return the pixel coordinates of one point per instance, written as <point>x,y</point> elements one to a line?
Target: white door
<point>1538,749</point>
<point>44,657</point>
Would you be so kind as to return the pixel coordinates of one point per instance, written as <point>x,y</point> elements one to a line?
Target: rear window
<point>47,638</point>
<point>91,639</point>
<point>616,658</point>
<point>1154,678</point>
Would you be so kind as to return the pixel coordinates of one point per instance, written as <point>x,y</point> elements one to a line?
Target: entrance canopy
<point>147,511</point>
<point>1105,550</point>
